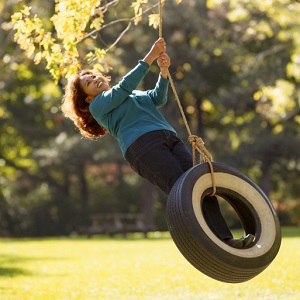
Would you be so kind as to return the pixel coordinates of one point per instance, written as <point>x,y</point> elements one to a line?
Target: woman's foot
<point>240,243</point>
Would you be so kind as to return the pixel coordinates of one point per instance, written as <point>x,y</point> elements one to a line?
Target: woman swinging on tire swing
<point>147,140</point>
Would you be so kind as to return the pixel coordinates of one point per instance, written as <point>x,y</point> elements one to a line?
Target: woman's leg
<point>151,158</point>
<point>161,158</point>
<point>215,219</point>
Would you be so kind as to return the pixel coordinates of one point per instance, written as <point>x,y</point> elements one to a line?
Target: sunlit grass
<point>102,268</point>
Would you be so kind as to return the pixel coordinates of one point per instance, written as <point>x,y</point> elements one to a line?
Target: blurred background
<point>236,67</point>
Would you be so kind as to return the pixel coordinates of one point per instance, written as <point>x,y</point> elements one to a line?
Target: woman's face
<point>93,85</point>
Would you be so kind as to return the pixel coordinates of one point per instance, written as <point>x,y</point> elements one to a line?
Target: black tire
<point>196,241</point>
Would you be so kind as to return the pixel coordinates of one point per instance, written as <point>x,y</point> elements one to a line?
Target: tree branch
<point>106,6</point>
<point>119,37</point>
<point>129,20</point>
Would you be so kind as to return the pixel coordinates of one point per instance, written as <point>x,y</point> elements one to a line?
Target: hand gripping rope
<point>196,142</point>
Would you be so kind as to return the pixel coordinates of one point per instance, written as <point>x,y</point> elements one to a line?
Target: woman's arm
<point>109,100</point>
<point>160,92</point>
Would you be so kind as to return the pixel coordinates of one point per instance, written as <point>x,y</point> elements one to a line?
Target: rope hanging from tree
<point>196,142</point>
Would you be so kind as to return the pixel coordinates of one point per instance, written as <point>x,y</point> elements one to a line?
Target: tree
<point>235,69</point>
<point>268,77</point>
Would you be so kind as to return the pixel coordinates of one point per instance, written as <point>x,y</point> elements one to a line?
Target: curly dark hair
<point>76,108</point>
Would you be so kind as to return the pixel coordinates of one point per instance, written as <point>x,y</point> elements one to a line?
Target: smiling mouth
<point>99,84</point>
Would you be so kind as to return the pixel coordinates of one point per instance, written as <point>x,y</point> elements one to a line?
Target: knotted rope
<point>196,142</point>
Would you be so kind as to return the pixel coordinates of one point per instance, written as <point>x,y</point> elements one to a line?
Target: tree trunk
<point>200,129</point>
<point>147,203</point>
<point>265,182</point>
<point>84,194</point>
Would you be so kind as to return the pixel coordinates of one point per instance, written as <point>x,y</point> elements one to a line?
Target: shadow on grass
<point>12,272</point>
<point>8,270</point>
<point>7,262</point>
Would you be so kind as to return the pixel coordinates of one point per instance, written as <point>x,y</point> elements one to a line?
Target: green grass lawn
<point>136,268</point>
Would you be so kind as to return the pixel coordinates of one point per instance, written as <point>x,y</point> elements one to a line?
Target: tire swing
<point>187,223</point>
<point>196,240</point>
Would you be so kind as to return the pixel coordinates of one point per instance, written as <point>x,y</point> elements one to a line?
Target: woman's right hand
<point>158,48</point>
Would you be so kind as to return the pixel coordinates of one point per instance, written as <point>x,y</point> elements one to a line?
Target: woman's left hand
<point>164,63</point>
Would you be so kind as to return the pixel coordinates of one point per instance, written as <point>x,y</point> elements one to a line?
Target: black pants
<point>161,158</point>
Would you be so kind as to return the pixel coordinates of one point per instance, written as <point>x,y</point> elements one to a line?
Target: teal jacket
<point>127,113</point>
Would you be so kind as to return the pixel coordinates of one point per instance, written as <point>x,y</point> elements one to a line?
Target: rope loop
<point>198,144</point>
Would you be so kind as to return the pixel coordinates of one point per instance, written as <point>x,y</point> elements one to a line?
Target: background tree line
<point>236,66</point>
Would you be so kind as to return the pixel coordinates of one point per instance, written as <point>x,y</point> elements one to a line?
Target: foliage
<point>72,23</point>
<point>131,269</point>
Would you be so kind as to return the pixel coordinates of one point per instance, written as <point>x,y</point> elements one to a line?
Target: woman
<point>147,141</point>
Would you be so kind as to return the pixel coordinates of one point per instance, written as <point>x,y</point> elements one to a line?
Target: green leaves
<point>72,23</point>
<point>276,101</point>
<point>154,20</point>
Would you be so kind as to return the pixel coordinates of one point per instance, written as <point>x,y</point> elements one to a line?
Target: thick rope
<point>196,142</point>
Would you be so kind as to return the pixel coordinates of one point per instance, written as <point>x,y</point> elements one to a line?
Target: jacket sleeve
<point>109,100</point>
<point>159,94</point>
